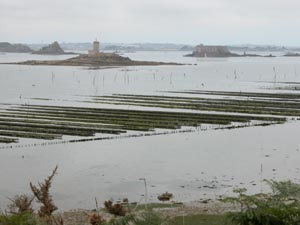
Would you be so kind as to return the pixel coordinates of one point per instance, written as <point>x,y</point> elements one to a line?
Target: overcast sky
<point>164,21</point>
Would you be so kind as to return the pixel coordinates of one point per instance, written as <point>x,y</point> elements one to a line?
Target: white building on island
<point>96,49</point>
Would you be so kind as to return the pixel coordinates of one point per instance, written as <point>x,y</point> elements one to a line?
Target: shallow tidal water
<point>201,164</point>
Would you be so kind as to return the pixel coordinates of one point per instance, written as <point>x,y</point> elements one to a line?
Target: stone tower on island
<point>96,49</point>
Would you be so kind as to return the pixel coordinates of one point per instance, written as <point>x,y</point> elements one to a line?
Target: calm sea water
<point>184,164</point>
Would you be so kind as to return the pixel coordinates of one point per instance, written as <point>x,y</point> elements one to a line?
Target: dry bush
<point>20,204</point>
<point>115,209</point>
<point>165,197</point>
<point>96,219</point>
<point>42,194</point>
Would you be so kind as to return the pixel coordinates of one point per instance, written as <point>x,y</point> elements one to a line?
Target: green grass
<point>199,220</point>
<point>23,219</point>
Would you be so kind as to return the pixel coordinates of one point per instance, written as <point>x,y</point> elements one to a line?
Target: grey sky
<point>176,21</point>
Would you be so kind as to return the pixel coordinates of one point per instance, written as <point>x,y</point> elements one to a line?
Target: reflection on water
<point>189,165</point>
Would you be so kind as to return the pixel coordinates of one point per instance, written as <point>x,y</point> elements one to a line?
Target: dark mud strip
<point>56,142</point>
<point>53,122</point>
<point>241,94</point>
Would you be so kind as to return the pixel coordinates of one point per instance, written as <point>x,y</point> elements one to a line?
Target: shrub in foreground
<point>280,207</point>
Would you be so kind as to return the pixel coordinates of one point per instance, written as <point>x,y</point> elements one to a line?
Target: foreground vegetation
<point>280,207</point>
<point>199,219</point>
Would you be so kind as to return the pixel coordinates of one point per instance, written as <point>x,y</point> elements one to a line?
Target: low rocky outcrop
<point>52,49</point>
<point>292,54</point>
<point>256,55</point>
<point>18,48</point>
<point>101,60</point>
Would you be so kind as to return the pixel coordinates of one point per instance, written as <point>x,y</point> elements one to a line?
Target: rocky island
<point>215,51</point>
<point>52,49</point>
<point>100,60</point>
<point>16,48</point>
<point>211,51</point>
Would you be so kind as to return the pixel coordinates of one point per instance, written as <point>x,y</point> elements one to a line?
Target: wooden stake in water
<point>275,75</point>
<point>146,192</point>
<point>261,177</point>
